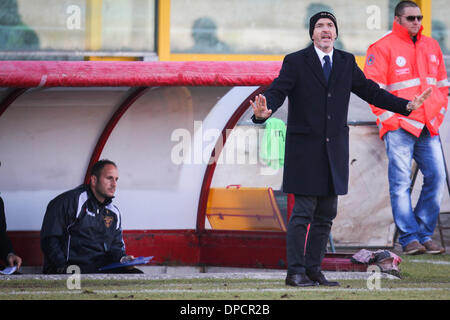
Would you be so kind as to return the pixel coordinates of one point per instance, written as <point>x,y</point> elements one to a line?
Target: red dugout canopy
<point>29,74</point>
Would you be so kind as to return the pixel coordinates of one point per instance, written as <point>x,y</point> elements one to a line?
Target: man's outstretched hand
<point>419,100</point>
<point>260,108</point>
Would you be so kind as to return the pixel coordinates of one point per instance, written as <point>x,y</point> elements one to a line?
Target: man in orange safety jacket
<point>405,62</point>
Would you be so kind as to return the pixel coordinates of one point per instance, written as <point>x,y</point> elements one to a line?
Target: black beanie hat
<point>320,15</point>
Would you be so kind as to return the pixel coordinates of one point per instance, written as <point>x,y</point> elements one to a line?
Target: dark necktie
<point>327,67</point>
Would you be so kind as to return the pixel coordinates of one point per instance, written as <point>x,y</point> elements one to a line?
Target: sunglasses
<point>412,18</point>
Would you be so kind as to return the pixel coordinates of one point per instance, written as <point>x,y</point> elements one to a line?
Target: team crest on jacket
<point>370,59</point>
<point>400,61</point>
<point>108,220</point>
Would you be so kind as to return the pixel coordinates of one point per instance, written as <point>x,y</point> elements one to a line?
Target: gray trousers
<point>319,212</point>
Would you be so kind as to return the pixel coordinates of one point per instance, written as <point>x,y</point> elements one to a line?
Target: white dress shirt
<point>322,54</point>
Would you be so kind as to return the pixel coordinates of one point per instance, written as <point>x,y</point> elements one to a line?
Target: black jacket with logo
<point>79,230</point>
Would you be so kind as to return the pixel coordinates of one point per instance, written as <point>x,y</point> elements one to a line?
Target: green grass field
<point>423,277</point>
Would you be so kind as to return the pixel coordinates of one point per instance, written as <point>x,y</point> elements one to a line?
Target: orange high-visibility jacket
<point>406,69</point>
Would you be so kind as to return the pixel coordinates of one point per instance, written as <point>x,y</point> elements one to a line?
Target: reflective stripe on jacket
<point>406,69</point>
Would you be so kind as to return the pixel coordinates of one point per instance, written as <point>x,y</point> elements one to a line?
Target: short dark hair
<point>400,7</point>
<point>99,165</point>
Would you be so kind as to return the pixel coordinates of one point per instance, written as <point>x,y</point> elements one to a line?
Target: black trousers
<point>319,212</point>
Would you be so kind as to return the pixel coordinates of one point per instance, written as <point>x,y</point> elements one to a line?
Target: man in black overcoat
<point>318,81</point>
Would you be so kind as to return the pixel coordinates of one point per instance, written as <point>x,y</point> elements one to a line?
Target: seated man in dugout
<point>82,227</point>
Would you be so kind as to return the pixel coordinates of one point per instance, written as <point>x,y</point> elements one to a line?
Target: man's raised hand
<point>260,108</point>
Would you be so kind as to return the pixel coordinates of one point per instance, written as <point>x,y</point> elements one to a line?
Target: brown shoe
<point>433,248</point>
<point>414,247</point>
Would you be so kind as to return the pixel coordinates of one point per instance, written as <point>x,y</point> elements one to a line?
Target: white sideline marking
<point>432,261</point>
<point>217,291</point>
<point>165,276</point>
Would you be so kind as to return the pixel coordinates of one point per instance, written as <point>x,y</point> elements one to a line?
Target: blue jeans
<point>401,147</point>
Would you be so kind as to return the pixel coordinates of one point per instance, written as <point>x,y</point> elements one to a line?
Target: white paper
<point>8,270</point>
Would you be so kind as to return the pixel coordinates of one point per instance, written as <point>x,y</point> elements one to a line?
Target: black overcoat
<point>317,134</point>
